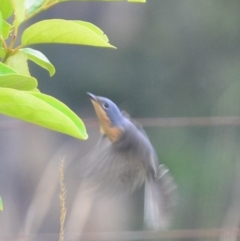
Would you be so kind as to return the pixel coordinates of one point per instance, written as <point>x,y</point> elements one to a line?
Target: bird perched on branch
<point>124,160</point>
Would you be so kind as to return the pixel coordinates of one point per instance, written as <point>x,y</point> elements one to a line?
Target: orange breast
<point>113,133</point>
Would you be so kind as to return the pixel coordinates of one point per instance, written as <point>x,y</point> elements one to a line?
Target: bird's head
<point>110,117</point>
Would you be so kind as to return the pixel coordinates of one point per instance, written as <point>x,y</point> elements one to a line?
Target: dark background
<point>173,59</point>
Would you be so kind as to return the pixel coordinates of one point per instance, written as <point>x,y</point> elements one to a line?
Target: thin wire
<point>131,235</point>
<point>151,122</point>
<point>190,121</point>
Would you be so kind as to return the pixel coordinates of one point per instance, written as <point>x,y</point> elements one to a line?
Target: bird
<point>124,160</point>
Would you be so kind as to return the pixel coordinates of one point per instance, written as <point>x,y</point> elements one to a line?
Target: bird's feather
<point>160,198</point>
<point>111,170</point>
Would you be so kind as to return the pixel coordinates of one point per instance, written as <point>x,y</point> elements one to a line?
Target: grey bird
<point>124,160</point>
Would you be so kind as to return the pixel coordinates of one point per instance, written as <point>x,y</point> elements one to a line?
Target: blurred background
<point>178,60</point>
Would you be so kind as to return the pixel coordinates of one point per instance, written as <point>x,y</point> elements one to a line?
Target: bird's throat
<point>106,128</point>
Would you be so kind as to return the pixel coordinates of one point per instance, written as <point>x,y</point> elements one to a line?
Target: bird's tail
<point>160,197</point>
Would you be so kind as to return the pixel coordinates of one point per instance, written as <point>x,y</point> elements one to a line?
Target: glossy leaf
<point>18,62</point>
<point>62,31</point>
<point>6,29</point>
<point>2,52</point>
<point>65,110</point>
<point>40,59</point>
<point>35,90</point>
<point>32,5</point>
<point>42,110</point>
<point>19,12</point>
<point>5,69</point>
<point>1,24</point>
<point>94,28</point>
<point>17,81</point>
<point>6,8</point>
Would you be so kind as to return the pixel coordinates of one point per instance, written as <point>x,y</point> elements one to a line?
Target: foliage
<point>19,93</point>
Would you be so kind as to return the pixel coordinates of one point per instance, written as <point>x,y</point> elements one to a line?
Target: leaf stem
<point>6,48</point>
<point>3,42</point>
<point>14,37</point>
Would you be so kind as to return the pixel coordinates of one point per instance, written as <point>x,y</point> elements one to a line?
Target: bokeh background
<point>173,59</point>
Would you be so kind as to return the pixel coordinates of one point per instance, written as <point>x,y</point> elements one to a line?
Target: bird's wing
<point>140,129</point>
<point>135,123</point>
<point>109,169</point>
<point>160,199</point>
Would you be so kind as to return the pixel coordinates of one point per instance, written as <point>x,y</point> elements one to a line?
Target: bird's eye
<point>105,105</point>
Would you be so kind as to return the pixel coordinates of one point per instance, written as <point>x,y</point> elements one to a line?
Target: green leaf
<point>36,90</point>
<point>4,69</point>
<point>94,28</point>
<point>19,11</point>
<point>40,59</point>
<point>32,5</point>
<point>64,32</point>
<point>2,52</point>
<point>6,8</point>
<point>6,29</point>
<point>1,24</point>
<point>17,81</point>
<point>1,204</point>
<point>18,62</point>
<point>62,108</point>
<point>42,110</point>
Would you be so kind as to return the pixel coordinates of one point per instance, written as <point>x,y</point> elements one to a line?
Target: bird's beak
<point>92,97</point>
<point>98,109</point>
